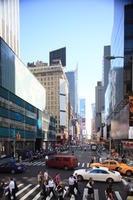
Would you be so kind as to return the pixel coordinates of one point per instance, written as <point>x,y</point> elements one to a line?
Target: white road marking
<point>83,165</point>
<point>25,188</point>
<point>78,163</point>
<point>118,195</point>
<point>96,196</point>
<point>85,194</point>
<point>37,196</point>
<point>88,164</point>
<point>30,192</point>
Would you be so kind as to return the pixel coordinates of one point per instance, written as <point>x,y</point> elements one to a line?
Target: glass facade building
<point>120,77</point>
<point>73,96</point>
<point>22,106</point>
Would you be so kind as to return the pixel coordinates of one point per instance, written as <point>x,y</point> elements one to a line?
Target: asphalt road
<point>27,181</point>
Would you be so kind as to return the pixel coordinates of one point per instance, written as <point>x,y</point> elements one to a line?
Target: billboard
<point>59,54</point>
<point>120,124</point>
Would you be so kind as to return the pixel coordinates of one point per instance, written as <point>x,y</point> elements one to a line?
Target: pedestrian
<point>129,188</point>
<point>46,158</point>
<point>71,186</point>
<point>91,161</point>
<point>57,178</point>
<point>90,185</point>
<point>109,192</point>
<point>40,178</point>
<point>76,183</point>
<point>51,185</point>
<point>44,191</point>
<point>2,189</point>
<point>60,191</point>
<point>94,159</point>
<point>46,175</point>
<point>12,191</point>
<point>100,159</point>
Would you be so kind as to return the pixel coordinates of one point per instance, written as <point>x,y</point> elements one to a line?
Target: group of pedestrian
<point>49,185</point>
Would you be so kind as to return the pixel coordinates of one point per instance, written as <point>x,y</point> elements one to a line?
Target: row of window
<point>16,116</point>
<point>7,132</point>
<point>18,101</point>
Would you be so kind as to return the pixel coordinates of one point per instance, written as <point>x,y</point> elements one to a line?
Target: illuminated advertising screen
<point>120,124</point>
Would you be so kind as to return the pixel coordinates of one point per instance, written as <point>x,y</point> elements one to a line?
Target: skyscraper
<point>9,23</point>
<point>73,96</point>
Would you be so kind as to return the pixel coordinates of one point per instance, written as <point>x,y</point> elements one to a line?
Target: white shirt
<point>46,175</point>
<point>11,185</point>
<point>51,183</point>
<point>71,181</point>
<point>46,157</point>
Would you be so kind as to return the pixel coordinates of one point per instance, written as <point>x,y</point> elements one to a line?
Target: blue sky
<point>83,26</point>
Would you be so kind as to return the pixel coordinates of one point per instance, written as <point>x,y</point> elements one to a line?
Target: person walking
<point>76,183</point>
<point>57,178</point>
<point>71,186</point>
<point>40,178</point>
<point>129,188</point>
<point>46,175</point>
<point>60,191</point>
<point>90,188</point>
<point>12,191</point>
<point>44,189</point>
<point>51,185</point>
<point>109,192</point>
<point>2,189</point>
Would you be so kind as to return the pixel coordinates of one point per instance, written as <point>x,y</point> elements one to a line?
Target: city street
<point>27,182</point>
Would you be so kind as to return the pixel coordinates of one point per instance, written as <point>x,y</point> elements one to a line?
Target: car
<point>110,164</point>
<point>62,161</point>
<point>10,165</point>
<point>98,174</point>
<point>126,169</point>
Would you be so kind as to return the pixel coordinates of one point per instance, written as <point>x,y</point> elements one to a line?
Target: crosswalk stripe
<point>30,192</point>
<point>37,196</point>
<point>96,196</point>
<point>22,190</point>
<point>39,163</point>
<point>83,165</point>
<point>35,163</point>
<point>43,164</point>
<point>78,163</point>
<point>118,195</point>
<point>88,164</point>
<point>85,193</point>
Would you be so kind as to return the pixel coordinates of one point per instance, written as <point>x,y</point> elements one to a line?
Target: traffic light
<point>18,136</point>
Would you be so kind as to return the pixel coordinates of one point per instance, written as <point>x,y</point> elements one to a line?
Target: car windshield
<point>130,164</point>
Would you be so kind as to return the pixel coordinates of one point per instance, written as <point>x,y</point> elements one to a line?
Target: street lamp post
<point>14,143</point>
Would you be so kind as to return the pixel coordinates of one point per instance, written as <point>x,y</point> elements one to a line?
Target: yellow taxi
<point>110,164</point>
<point>126,169</point>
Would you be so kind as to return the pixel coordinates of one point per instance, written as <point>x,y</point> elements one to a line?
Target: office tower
<point>9,23</point>
<point>54,80</point>
<point>57,56</point>
<point>73,97</point>
<point>82,114</point>
<point>120,86</point>
<point>99,104</point>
